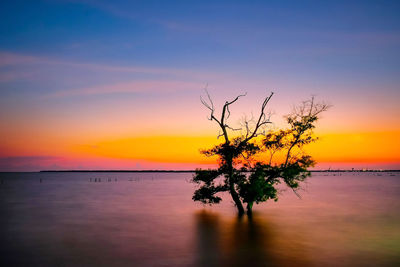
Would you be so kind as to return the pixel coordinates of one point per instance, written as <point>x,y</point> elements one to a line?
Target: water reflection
<point>348,220</point>
<point>241,242</point>
<point>208,234</point>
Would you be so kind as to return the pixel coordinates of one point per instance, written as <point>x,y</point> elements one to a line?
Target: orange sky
<point>335,150</point>
<point>117,86</point>
<point>167,132</point>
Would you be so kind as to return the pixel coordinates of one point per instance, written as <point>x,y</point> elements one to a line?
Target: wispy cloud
<point>8,59</point>
<point>229,34</point>
<point>8,76</point>
<point>128,13</point>
<point>27,158</point>
<point>175,83</point>
<point>12,59</point>
<point>129,87</point>
<point>108,7</point>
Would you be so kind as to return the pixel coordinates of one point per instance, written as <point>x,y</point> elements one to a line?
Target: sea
<point>149,219</point>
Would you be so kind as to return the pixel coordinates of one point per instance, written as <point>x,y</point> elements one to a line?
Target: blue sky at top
<point>64,55</point>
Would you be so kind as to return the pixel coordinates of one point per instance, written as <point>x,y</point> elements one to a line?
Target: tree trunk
<point>236,199</point>
<point>250,208</point>
<point>232,190</point>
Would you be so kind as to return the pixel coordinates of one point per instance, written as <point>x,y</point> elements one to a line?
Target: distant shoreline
<point>179,171</point>
<point>189,171</point>
<point>140,171</point>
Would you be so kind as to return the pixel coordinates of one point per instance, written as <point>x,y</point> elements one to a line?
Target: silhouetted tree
<point>247,168</point>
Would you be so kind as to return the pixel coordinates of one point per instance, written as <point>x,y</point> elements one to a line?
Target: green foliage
<point>257,188</point>
<point>206,195</point>
<point>254,181</point>
<point>232,150</point>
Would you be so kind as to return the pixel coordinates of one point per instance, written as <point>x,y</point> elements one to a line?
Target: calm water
<point>150,220</point>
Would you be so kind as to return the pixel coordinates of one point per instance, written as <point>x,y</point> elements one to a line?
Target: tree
<point>252,163</point>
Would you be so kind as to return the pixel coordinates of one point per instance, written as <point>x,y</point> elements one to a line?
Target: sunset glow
<point>125,94</point>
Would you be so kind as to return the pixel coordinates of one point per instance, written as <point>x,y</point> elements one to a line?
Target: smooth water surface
<point>149,219</point>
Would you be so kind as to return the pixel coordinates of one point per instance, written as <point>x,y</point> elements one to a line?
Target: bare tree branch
<point>210,106</point>
<point>233,129</point>
<point>307,112</point>
<point>226,108</point>
<point>224,115</point>
<point>261,119</point>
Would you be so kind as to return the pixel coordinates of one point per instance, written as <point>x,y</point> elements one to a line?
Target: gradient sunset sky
<point>116,84</point>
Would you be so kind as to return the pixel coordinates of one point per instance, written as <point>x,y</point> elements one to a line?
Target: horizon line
<point>186,171</point>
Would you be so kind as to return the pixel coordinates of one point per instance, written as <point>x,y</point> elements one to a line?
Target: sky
<point>116,84</point>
